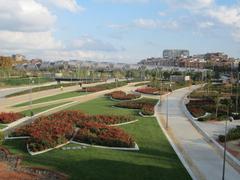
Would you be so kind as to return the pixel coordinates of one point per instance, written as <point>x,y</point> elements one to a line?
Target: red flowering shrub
<point>148,90</point>
<point>6,118</point>
<point>92,89</point>
<point>46,133</point>
<point>146,105</point>
<point>147,110</point>
<point>50,131</point>
<point>195,111</point>
<point>120,95</point>
<point>100,134</point>
<point>106,119</point>
<point>102,87</point>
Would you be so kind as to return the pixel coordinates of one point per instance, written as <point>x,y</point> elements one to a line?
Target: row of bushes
<point>102,87</point>
<point>120,95</point>
<point>145,105</point>
<point>148,90</point>
<point>232,134</point>
<point>9,117</point>
<point>42,88</point>
<point>49,131</point>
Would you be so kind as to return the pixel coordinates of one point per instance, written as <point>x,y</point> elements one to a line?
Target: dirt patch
<point>7,173</point>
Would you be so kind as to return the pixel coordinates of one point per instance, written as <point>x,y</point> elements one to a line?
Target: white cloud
<point>226,15</point>
<point>91,44</point>
<point>123,1</point>
<point>190,4</point>
<point>83,55</point>
<point>152,23</point>
<point>206,24</point>
<point>162,13</point>
<point>70,5</point>
<point>25,15</point>
<point>28,41</point>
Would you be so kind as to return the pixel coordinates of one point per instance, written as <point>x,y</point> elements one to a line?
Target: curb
<point>136,148</point>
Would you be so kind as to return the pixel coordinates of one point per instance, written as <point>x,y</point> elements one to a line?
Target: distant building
<point>179,78</point>
<point>6,61</point>
<point>18,57</point>
<point>175,53</point>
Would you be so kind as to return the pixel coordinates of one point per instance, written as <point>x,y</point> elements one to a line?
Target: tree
<point>217,99</point>
<point>1,137</point>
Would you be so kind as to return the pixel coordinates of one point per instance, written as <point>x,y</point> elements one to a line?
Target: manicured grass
<point>25,81</point>
<point>42,88</point>
<point>53,98</point>
<point>2,126</point>
<point>41,109</point>
<point>155,160</point>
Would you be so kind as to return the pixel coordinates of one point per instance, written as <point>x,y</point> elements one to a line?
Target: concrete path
<point>6,103</point>
<point>204,161</point>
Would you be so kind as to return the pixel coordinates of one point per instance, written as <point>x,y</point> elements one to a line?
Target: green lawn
<point>41,109</point>
<point>53,98</point>
<point>2,126</point>
<point>155,160</point>
<point>25,81</point>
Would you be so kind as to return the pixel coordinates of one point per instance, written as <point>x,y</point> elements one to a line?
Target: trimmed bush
<point>100,134</point>
<point>120,95</point>
<point>9,117</point>
<point>232,134</point>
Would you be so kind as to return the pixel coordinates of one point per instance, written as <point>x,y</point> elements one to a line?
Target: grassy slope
<point>155,160</point>
<point>41,109</point>
<point>53,98</point>
<point>2,126</point>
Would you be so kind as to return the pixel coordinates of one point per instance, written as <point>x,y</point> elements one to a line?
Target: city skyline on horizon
<point>118,31</point>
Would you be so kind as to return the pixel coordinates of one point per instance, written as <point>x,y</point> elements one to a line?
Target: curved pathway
<point>204,161</point>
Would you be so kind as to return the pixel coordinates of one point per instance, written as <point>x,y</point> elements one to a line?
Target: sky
<point>117,30</point>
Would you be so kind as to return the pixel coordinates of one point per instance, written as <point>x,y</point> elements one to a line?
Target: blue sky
<point>117,30</point>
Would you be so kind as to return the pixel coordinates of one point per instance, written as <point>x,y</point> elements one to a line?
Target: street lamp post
<point>30,96</point>
<point>167,114</point>
<point>225,146</point>
<point>170,85</point>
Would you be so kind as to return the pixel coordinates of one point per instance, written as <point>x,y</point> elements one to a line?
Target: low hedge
<point>233,134</point>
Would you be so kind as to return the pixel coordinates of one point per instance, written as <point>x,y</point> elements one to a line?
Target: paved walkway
<point>204,161</point>
<point>6,103</point>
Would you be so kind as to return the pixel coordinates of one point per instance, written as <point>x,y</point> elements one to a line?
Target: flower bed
<point>51,131</point>
<point>103,87</point>
<point>10,117</point>
<point>196,111</point>
<point>146,105</point>
<point>147,110</point>
<point>148,90</point>
<point>100,134</point>
<point>120,95</point>
<point>232,134</point>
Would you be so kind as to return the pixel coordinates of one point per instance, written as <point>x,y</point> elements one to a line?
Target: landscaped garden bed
<point>232,134</point>
<point>51,131</point>
<point>201,106</point>
<point>100,134</point>
<point>120,95</point>
<point>9,117</point>
<point>145,105</point>
<point>148,90</point>
<point>108,164</point>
